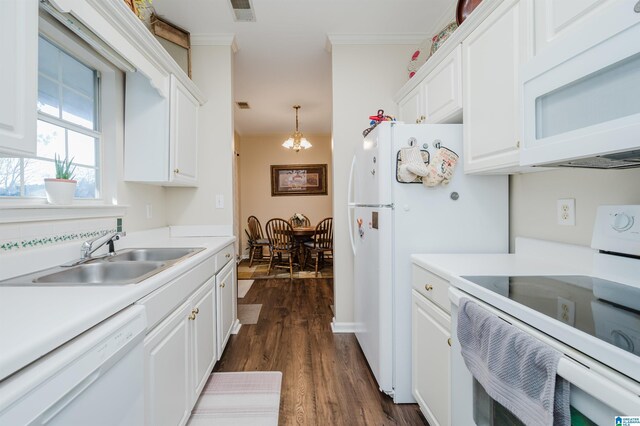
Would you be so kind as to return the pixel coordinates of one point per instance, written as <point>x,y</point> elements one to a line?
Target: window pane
<point>48,95</point>
<point>50,140</point>
<point>77,76</point>
<point>82,148</point>
<point>77,109</point>
<point>48,56</point>
<point>86,178</point>
<point>35,171</point>
<point>9,177</point>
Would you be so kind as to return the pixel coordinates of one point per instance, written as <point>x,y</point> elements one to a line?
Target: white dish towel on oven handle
<point>516,369</point>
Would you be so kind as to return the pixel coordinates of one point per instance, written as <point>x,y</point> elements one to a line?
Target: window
<point>68,126</point>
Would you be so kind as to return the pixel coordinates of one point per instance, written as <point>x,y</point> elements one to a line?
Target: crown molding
<point>374,39</point>
<point>215,40</point>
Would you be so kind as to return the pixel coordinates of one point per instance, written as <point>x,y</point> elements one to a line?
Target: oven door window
<point>585,410</point>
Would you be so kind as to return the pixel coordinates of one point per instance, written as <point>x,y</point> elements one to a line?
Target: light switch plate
<point>219,201</point>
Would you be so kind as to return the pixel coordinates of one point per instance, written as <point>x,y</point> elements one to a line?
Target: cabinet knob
<point>192,316</point>
<point>449,341</point>
<point>222,285</point>
<point>228,255</point>
<point>517,144</point>
<point>422,118</point>
<point>176,171</point>
<point>428,287</point>
<point>197,311</point>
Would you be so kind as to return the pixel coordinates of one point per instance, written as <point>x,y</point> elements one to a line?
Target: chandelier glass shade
<point>296,141</point>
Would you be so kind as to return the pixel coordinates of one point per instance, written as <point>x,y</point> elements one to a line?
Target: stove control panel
<point>617,229</point>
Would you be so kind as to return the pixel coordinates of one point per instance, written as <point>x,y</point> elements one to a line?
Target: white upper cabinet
<point>492,55</point>
<point>161,135</point>
<point>555,18</point>
<point>442,90</point>
<point>18,76</point>
<point>438,97</point>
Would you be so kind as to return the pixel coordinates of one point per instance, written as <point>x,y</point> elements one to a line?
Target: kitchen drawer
<point>431,286</point>
<point>224,256</point>
<point>164,300</point>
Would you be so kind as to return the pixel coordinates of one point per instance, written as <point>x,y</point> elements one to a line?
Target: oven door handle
<point>594,384</point>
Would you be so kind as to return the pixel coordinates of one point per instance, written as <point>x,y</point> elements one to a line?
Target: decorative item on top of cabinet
<point>175,40</point>
<point>492,55</point>
<point>19,82</point>
<point>464,9</point>
<point>161,135</point>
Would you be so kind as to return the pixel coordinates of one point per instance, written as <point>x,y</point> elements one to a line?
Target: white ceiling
<point>282,58</point>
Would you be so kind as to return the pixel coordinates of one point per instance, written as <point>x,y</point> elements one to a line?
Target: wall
<point>212,71</point>
<point>257,154</point>
<point>365,79</point>
<point>533,198</point>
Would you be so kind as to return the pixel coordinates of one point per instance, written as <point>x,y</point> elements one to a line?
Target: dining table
<point>302,234</point>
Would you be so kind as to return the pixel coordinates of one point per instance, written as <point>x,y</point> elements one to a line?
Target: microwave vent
<point>616,161</point>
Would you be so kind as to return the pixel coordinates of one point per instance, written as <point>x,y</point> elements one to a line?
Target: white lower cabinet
<point>167,391</point>
<point>179,357</point>
<point>226,298</point>
<point>431,346</point>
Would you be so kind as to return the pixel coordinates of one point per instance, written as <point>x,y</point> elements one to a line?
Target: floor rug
<point>249,313</point>
<point>239,399</point>
<point>243,287</point>
<point>261,271</point>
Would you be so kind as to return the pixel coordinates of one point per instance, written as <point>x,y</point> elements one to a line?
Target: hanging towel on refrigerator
<point>516,369</point>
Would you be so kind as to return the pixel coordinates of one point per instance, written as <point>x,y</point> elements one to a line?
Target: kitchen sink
<point>103,273</point>
<point>153,254</point>
<point>127,267</point>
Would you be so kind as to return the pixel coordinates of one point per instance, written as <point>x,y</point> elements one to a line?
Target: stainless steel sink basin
<point>103,273</point>
<point>153,254</point>
<point>127,267</point>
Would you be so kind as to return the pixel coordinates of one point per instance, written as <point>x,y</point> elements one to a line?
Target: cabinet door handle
<point>222,285</point>
<point>176,171</point>
<point>197,310</point>
<point>192,316</point>
<point>449,341</point>
<point>428,287</point>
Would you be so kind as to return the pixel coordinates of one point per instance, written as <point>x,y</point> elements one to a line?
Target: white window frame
<point>110,118</point>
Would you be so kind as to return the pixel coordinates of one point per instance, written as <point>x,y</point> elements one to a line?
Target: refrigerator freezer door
<point>374,291</point>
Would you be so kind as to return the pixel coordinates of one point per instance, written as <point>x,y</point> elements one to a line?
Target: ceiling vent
<point>243,105</point>
<point>242,10</point>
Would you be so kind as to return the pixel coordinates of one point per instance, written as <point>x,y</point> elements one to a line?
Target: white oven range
<point>594,321</point>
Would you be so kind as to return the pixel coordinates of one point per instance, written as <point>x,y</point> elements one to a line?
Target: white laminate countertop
<point>35,320</point>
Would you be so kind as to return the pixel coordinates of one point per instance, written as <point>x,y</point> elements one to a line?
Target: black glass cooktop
<point>604,309</point>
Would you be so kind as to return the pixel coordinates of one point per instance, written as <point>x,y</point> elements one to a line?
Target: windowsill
<point>10,212</point>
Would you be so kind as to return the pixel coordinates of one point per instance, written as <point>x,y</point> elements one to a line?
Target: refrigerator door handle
<point>350,207</point>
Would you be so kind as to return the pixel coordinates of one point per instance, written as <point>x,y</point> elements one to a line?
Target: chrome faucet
<point>87,248</point>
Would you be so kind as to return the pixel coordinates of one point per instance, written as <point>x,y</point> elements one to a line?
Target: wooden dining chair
<point>280,236</point>
<point>322,242</point>
<point>257,241</point>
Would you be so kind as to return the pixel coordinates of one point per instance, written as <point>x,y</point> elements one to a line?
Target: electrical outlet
<point>567,212</point>
<point>566,311</point>
<point>149,211</point>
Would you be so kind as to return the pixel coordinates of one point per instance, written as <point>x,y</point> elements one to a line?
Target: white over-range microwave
<point>581,96</point>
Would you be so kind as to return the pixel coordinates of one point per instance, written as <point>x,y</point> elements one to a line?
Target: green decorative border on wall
<point>37,242</point>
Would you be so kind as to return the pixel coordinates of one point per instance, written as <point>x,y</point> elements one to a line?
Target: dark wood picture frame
<point>175,35</point>
<point>298,179</point>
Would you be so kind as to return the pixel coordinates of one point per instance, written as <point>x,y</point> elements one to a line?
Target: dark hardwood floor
<point>325,377</point>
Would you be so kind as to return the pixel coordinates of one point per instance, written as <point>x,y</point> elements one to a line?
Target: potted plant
<point>61,189</point>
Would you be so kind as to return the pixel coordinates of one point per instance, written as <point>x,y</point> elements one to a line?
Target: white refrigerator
<point>390,220</point>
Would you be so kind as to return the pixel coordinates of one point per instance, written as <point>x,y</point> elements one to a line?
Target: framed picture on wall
<point>299,179</point>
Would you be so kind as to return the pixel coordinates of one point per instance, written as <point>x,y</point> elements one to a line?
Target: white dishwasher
<point>94,379</point>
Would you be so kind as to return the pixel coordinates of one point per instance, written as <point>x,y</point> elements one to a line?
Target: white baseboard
<point>236,327</point>
<point>343,327</point>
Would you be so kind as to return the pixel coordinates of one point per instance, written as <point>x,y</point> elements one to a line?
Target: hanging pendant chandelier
<point>297,141</point>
